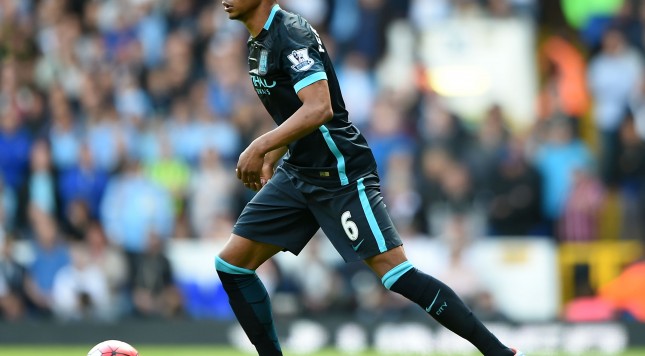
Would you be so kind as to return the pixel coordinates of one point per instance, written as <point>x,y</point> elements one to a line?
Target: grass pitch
<point>149,350</point>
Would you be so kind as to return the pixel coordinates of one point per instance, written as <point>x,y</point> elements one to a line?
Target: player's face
<point>240,9</point>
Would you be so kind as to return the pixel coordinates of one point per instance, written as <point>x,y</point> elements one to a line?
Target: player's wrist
<point>269,164</point>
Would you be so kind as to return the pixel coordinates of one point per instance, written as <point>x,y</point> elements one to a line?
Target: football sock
<point>251,304</point>
<point>441,302</point>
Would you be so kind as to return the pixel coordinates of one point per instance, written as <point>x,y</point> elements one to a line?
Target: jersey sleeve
<point>301,58</point>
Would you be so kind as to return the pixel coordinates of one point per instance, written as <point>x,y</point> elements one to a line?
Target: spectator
<point>344,24</point>
<point>399,190</point>
<point>180,130</point>
<point>51,253</point>
<point>632,178</point>
<point>94,96</point>
<point>34,111</point>
<point>39,190</point>
<point>16,145</point>
<point>108,139</point>
<point>557,159</point>
<point>84,182</point>
<point>181,15</point>
<point>565,89</point>
<point>60,66</point>
<point>63,133</point>
<point>171,174</point>
<point>151,32</point>
<point>515,204</point>
<point>457,200</point>
<point>582,208</point>
<point>76,221</point>
<point>159,90</point>
<point>210,194</point>
<point>627,21</point>
<point>80,289</point>
<point>135,207</point>
<point>358,88</point>
<point>117,28</point>
<point>489,147</point>
<point>215,132</point>
<point>131,102</point>
<point>113,265</point>
<point>439,127</point>
<point>177,63</point>
<point>387,134</point>
<point>227,87</point>
<point>613,76</point>
<point>154,294</point>
<point>370,34</point>
<point>433,162</point>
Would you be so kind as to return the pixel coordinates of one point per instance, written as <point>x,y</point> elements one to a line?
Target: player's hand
<point>249,168</point>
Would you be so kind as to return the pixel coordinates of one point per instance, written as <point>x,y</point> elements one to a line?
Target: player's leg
<point>276,219</point>
<point>248,297</point>
<point>357,223</point>
<point>436,298</point>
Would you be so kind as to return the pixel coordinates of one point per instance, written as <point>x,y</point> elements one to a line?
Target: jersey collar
<point>274,9</point>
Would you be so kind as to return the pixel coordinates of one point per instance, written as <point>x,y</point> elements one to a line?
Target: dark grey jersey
<point>285,57</point>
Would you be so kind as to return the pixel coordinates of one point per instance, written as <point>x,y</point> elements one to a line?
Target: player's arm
<point>272,157</point>
<point>315,111</point>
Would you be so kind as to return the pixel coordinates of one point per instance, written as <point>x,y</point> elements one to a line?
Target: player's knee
<point>223,266</point>
<point>395,273</point>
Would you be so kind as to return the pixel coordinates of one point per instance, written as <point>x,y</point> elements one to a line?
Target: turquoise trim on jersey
<point>226,267</point>
<point>309,80</point>
<point>274,9</point>
<point>395,273</point>
<point>339,156</point>
<point>369,214</point>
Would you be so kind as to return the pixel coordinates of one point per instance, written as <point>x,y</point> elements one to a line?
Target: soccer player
<point>327,180</point>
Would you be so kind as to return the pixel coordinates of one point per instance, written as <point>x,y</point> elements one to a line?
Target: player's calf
<point>251,304</point>
<point>441,302</point>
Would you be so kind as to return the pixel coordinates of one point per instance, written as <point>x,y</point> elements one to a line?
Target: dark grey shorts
<point>288,211</point>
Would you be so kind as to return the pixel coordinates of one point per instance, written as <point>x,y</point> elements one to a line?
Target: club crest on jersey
<point>263,65</point>
<point>300,59</point>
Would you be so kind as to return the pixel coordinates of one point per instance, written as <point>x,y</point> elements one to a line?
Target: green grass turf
<point>145,350</point>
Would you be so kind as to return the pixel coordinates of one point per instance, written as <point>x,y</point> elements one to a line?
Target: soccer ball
<point>113,348</point>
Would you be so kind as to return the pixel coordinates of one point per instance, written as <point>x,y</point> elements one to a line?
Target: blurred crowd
<point>121,122</point>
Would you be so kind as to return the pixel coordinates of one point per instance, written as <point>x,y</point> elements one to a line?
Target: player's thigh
<point>278,215</point>
<point>357,222</point>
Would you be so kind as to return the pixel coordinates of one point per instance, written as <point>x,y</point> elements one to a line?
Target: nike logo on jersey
<point>355,247</point>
